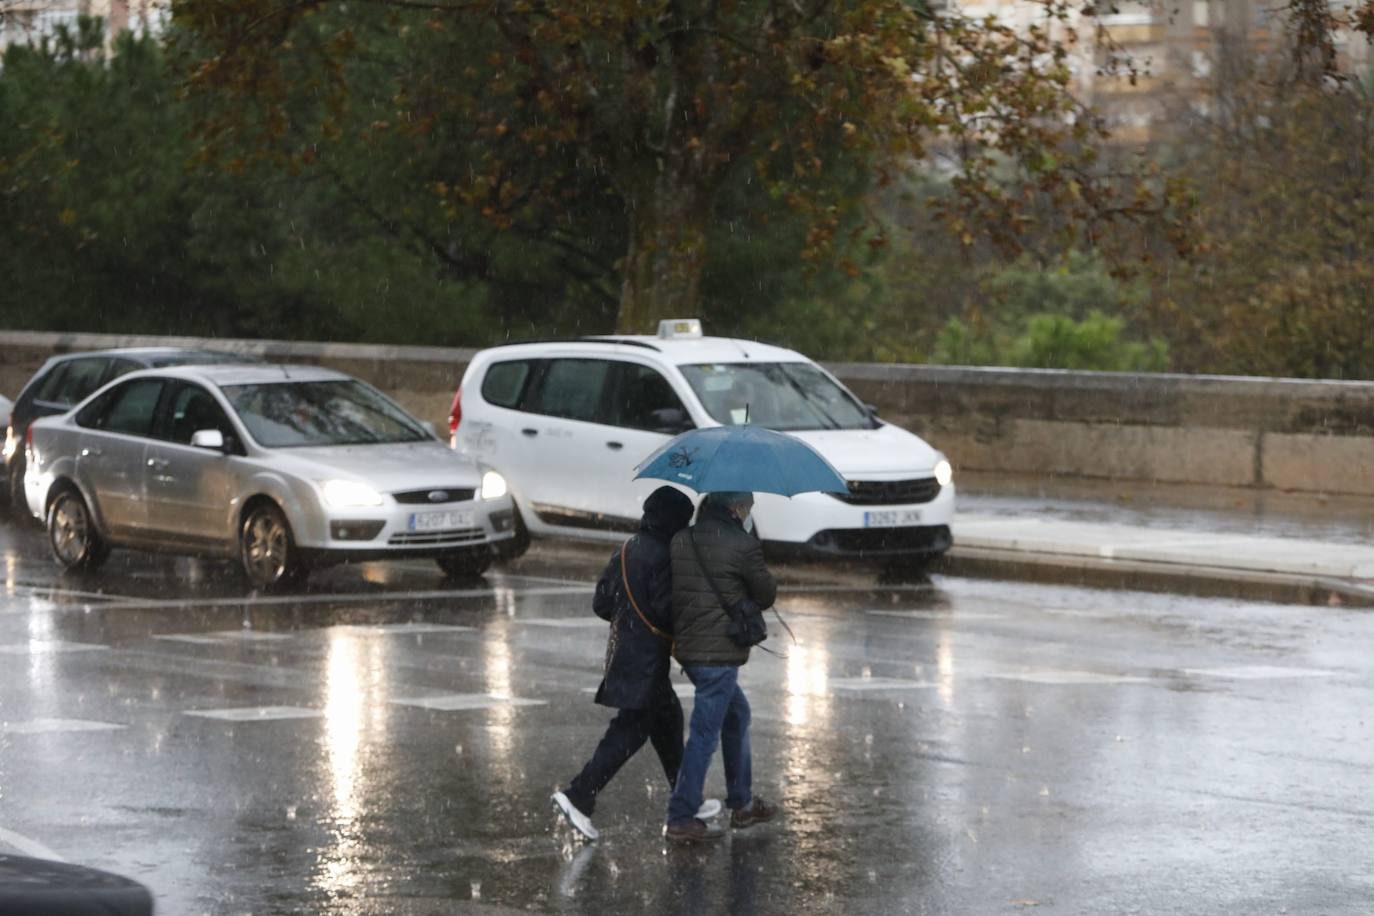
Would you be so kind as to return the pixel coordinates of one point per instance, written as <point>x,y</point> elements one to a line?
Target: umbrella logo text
<point>681,458</point>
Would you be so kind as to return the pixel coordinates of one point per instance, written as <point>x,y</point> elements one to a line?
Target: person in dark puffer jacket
<point>733,558</point>
<point>636,679</point>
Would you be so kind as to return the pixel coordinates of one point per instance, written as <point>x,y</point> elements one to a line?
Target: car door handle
<point>90,453</point>
<point>615,446</point>
<point>530,432</point>
<point>158,464</point>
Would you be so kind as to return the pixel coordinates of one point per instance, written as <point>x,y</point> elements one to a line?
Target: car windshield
<point>785,396</point>
<point>293,414</point>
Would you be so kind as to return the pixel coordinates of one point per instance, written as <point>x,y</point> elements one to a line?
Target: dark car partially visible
<point>66,380</point>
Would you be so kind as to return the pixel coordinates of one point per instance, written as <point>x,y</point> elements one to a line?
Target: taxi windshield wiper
<point>815,405</point>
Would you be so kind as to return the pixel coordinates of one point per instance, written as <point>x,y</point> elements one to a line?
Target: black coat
<point>734,558</point>
<point>636,659</point>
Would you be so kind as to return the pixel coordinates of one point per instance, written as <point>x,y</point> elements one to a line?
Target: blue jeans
<point>720,714</point>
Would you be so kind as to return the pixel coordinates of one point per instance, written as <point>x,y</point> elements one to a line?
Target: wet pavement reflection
<point>386,740</point>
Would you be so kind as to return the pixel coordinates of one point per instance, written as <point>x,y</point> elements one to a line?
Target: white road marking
<point>220,637</point>
<point>567,623</point>
<point>343,598</point>
<point>405,629</point>
<point>1068,677</point>
<point>1258,672</point>
<point>27,846</point>
<point>41,646</point>
<point>256,713</point>
<point>49,726</point>
<point>876,683</point>
<point>454,702</point>
<point>953,616</point>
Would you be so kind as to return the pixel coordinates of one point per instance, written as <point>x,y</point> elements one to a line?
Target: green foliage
<point>1052,341</point>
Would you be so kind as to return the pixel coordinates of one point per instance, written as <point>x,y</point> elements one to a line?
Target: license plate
<point>892,518</point>
<point>439,521</point>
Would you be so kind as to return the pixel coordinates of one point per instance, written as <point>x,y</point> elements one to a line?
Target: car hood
<point>886,450</point>
<point>388,468</point>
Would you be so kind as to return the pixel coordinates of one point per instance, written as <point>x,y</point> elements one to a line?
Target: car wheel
<point>467,565</point>
<point>267,550</point>
<point>14,487</point>
<point>72,535</point>
<point>516,547</point>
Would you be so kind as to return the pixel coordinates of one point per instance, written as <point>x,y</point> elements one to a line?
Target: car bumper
<point>817,524</point>
<point>408,530</point>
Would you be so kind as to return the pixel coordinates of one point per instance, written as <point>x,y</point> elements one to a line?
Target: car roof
<point>674,350</point>
<point>254,374</point>
<point>162,355</point>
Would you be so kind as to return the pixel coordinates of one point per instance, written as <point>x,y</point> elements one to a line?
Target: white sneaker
<point>709,809</point>
<point>580,822</point>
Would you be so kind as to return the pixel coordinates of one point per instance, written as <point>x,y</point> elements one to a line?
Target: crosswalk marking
<point>454,702</point>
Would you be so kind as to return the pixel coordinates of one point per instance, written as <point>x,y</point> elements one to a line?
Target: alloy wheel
<point>266,547</point>
<point>70,530</point>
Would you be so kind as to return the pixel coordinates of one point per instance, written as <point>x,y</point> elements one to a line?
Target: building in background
<point>30,21</point>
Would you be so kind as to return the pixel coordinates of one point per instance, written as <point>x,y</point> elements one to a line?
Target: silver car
<point>281,467</point>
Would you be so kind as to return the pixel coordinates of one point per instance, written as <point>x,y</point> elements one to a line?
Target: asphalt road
<point>386,742</point>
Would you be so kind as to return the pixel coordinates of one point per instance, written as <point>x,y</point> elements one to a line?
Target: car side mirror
<point>672,420</point>
<point>211,439</point>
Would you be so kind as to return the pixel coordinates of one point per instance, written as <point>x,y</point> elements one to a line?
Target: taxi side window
<point>645,400</point>
<point>572,389</point>
<point>505,382</point>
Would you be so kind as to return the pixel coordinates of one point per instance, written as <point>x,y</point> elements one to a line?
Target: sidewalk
<point>1228,542</point>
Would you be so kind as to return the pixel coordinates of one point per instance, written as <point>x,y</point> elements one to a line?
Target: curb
<point>1153,576</point>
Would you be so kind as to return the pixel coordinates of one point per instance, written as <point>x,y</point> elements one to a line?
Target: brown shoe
<point>693,831</point>
<point>756,812</point>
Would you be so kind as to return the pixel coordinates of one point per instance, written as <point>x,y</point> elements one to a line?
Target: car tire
<point>17,502</point>
<point>517,546</point>
<point>72,535</point>
<point>267,549</point>
<point>466,565</point>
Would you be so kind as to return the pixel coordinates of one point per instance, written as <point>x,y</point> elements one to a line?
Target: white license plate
<point>892,518</point>
<point>439,521</point>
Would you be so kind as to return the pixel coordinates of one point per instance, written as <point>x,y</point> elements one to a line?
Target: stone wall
<point>1286,434</point>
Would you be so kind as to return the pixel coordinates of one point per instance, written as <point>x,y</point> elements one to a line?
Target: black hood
<point>666,512</point>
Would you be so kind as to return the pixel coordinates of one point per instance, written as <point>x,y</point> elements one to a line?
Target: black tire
<point>516,547</point>
<point>267,549</point>
<point>466,565</point>
<point>76,543</point>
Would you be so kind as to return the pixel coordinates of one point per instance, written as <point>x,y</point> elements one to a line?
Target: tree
<point>538,113</point>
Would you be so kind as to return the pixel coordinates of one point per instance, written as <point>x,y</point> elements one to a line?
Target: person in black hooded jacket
<point>636,679</point>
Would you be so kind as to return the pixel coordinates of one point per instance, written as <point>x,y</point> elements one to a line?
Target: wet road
<point>387,742</point>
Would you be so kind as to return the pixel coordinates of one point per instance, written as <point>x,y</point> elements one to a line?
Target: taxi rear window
<point>505,381</point>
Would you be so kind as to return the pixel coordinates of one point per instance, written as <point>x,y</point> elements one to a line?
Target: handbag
<point>747,626</point>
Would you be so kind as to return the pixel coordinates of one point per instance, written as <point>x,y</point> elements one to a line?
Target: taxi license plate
<point>892,518</point>
<point>439,521</point>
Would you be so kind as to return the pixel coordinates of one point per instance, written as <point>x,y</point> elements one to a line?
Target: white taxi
<point>566,422</point>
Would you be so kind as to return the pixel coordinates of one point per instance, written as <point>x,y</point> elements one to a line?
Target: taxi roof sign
<point>679,327</point>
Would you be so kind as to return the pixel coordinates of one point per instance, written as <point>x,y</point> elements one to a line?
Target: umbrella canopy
<point>742,458</point>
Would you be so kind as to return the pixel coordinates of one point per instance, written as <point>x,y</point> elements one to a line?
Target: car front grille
<point>424,497</point>
<point>437,538</point>
<point>890,492</point>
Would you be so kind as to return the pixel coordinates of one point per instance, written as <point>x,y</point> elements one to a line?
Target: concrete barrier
<point>1284,434</point>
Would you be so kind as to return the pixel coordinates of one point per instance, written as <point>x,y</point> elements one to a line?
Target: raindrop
<point>458,749</point>
<point>477,890</point>
<point>290,812</point>
<point>1044,791</point>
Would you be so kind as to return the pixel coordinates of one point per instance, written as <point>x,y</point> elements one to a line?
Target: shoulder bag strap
<point>715,589</point>
<point>625,577</point>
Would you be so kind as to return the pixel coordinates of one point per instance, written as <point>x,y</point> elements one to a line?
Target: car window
<point>78,379</point>
<point>645,400</point>
<point>128,409</point>
<point>192,409</point>
<point>572,389</point>
<point>120,367</point>
<point>505,382</point>
<point>288,414</point>
<point>786,396</point>
<point>47,388</point>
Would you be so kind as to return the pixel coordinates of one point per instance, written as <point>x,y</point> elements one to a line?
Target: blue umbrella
<point>742,458</point>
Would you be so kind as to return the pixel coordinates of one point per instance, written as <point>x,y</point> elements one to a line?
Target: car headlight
<point>943,472</point>
<point>349,494</point>
<point>493,485</point>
